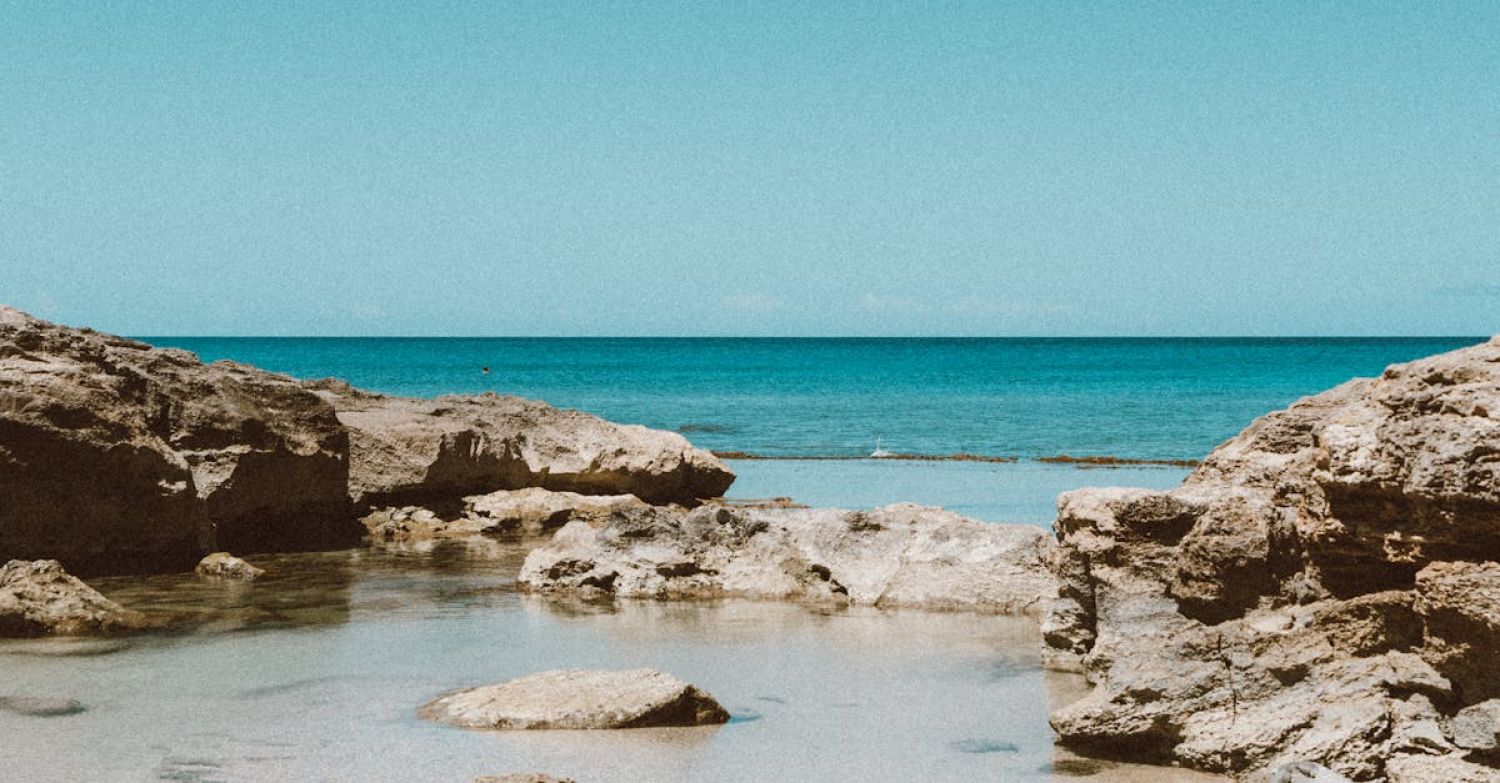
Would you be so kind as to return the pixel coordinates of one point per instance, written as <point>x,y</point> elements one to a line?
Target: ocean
<point>819,406</point>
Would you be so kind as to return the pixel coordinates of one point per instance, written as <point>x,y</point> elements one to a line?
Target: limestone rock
<point>534,511</point>
<point>223,565</point>
<point>118,457</point>
<point>39,598</point>
<point>1477,726</point>
<point>1317,591</point>
<point>901,555</point>
<point>579,699</point>
<point>408,451</point>
<point>1438,769</point>
<point>1306,772</point>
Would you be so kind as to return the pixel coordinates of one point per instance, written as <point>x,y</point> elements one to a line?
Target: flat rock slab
<point>579,699</point>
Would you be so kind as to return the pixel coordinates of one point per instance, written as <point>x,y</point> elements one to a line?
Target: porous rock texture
<point>1320,590</point>
<point>900,555</point>
<point>408,451</point>
<point>39,598</point>
<point>579,699</point>
<point>522,512</point>
<point>118,457</point>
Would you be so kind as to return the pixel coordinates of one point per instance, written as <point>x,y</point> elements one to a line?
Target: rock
<point>40,598</point>
<point>40,707</point>
<point>117,457</point>
<point>1317,591</point>
<point>526,512</point>
<point>1477,726</point>
<point>408,451</point>
<point>223,565</point>
<point>524,777</point>
<point>1306,772</point>
<point>534,511</point>
<point>1438,769</point>
<point>1460,605</point>
<point>901,555</point>
<point>579,699</point>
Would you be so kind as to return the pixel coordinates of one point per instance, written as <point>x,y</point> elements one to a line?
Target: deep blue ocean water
<point>1135,398</point>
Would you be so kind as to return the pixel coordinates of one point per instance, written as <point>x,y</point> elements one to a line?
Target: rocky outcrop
<point>408,451</point>
<point>901,555</point>
<point>1317,591</point>
<point>522,512</point>
<point>39,598</point>
<point>579,699</point>
<point>222,565</point>
<point>119,457</point>
<point>116,457</point>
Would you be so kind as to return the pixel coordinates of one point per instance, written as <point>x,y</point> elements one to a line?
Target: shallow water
<point>315,672</point>
<point>1006,492</point>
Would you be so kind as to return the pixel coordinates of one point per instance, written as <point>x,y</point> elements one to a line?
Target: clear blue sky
<point>641,168</point>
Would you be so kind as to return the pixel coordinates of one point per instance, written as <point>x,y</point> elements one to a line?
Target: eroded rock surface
<point>408,451</point>
<point>39,598</point>
<point>118,457</point>
<point>579,699</point>
<point>1317,591</point>
<point>901,555</point>
<point>523,512</point>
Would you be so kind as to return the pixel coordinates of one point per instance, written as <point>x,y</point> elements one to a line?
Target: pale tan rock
<point>222,565</point>
<point>39,598</point>
<point>1438,769</point>
<point>579,699</point>
<point>1317,591</point>
<point>901,555</point>
<point>409,450</point>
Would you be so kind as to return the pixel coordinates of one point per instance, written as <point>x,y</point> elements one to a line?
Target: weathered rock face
<point>579,699</point>
<point>116,457</point>
<point>1317,591</point>
<point>119,457</point>
<point>39,598</point>
<point>522,512</point>
<point>901,555</point>
<point>222,565</point>
<point>407,451</point>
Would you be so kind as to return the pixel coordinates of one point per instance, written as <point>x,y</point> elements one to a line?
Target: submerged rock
<point>40,706</point>
<point>39,598</point>
<point>901,555</point>
<point>1316,591</point>
<point>223,565</point>
<point>410,451</point>
<point>579,699</point>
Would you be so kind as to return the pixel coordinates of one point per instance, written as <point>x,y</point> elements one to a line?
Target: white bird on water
<point>880,453</point>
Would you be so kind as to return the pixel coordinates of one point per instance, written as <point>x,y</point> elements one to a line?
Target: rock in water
<point>40,598</point>
<point>40,707</point>
<point>901,555</point>
<point>524,512</point>
<point>118,457</point>
<point>1317,591</point>
<point>579,699</point>
<point>222,565</point>
<point>408,451</point>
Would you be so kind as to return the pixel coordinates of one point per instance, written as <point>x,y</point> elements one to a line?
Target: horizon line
<point>807,337</point>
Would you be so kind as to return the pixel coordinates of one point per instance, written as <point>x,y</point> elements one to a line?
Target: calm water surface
<point>315,673</point>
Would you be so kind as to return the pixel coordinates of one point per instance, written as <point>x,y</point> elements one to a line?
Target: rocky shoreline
<point>1318,599</point>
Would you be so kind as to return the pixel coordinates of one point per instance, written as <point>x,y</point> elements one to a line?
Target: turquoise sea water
<point>1137,398</point>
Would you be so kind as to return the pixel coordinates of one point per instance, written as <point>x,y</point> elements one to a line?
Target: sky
<point>703,168</point>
